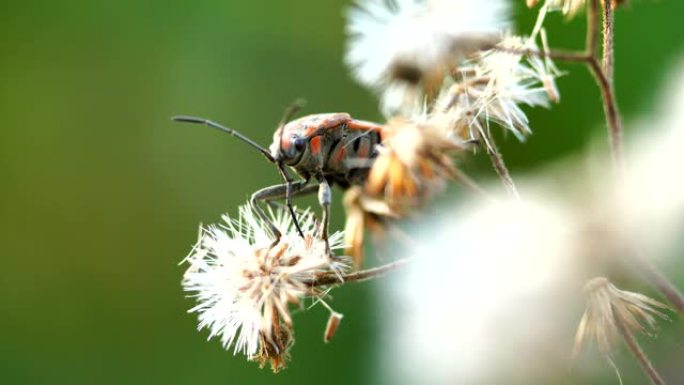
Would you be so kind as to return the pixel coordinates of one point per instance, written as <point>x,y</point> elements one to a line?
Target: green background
<point>100,194</point>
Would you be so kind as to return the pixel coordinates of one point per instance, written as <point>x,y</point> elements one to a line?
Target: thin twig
<point>592,28</point>
<point>613,118</point>
<point>608,28</point>
<point>500,166</point>
<point>638,353</point>
<point>568,56</point>
<point>604,82</point>
<point>504,175</point>
<point>605,79</point>
<point>362,275</point>
<point>602,74</point>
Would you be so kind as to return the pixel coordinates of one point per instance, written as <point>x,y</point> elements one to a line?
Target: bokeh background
<point>101,195</point>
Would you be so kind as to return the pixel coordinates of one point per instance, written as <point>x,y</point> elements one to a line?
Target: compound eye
<point>299,144</point>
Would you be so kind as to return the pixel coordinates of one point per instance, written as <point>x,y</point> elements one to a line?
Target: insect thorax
<point>344,157</point>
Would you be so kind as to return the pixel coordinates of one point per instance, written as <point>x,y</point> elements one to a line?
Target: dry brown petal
<point>362,212</point>
<point>413,165</point>
<point>332,325</point>
<point>274,350</point>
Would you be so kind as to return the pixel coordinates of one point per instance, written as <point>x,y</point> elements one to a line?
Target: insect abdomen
<point>351,157</point>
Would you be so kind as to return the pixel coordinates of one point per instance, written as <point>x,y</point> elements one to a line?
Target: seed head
<point>607,308</point>
<point>493,87</point>
<point>363,212</point>
<point>414,164</point>
<point>244,284</point>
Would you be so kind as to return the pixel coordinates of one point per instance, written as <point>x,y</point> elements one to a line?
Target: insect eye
<point>299,144</point>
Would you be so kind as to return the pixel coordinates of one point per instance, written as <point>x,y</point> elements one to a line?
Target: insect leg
<point>296,189</point>
<point>288,195</point>
<point>276,192</point>
<point>324,199</point>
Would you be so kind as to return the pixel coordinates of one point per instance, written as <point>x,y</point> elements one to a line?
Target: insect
<point>330,149</point>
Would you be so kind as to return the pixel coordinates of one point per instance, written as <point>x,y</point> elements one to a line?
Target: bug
<point>330,149</point>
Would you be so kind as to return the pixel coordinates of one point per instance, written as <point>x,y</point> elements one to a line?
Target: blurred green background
<point>101,194</point>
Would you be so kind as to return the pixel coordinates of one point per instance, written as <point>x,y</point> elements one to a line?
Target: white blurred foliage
<point>422,32</point>
<point>652,198</point>
<point>428,36</point>
<point>495,290</point>
<point>480,289</point>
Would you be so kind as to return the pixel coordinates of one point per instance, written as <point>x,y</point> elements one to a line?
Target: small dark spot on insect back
<point>356,144</point>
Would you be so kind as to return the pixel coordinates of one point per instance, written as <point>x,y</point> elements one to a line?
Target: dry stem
<point>604,77</point>
<point>602,74</point>
<point>502,170</point>
<point>613,117</point>
<point>326,279</point>
<point>638,353</point>
<point>608,28</point>
<point>604,80</point>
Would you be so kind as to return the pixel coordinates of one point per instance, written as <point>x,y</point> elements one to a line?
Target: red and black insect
<point>332,149</point>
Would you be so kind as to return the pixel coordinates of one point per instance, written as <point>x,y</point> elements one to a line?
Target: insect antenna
<point>291,110</point>
<point>242,137</point>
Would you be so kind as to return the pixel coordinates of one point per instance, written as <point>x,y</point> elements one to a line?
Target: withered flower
<point>363,212</point>
<point>613,313</point>
<point>244,285</point>
<point>495,86</point>
<point>608,308</point>
<point>414,164</point>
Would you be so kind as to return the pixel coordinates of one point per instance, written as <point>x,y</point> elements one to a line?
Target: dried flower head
<point>609,309</point>
<point>493,87</point>
<point>405,47</point>
<point>243,283</point>
<point>363,212</point>
<point>413,164</point>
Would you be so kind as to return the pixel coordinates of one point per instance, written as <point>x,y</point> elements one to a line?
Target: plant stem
<point>500,166</point>
<point>608,28</point>
<point>602,74</point>
<point>592,28</point>
<point>362,275</point>
<point>638,353</point>
<point>605,80</point>
<point>562,55</point>
<point>613,118</point>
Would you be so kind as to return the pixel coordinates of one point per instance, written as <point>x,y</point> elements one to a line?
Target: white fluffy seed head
<point>243,286</point>
<point>494,86</point>
<point>609,309</point>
